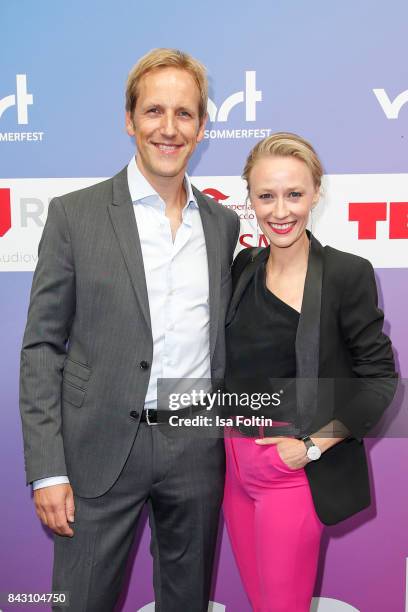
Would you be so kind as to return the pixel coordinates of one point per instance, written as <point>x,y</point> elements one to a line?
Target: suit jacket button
<point>144,365</point>
<point>133,414</point>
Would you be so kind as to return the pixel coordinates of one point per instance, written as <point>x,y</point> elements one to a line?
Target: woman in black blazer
<point>304,323</point>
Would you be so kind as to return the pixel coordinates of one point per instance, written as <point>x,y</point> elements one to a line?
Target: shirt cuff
<point>49,482</point>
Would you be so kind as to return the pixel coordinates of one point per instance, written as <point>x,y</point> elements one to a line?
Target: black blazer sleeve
<point>370,350</point>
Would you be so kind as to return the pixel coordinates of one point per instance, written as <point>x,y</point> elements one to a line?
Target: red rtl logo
<point>368,213</point>
<point>5,211</point>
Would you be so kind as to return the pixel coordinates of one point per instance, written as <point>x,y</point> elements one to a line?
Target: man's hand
<point>55,507</point>
<point>291,451</point>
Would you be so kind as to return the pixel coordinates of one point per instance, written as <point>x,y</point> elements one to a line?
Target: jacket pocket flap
<point>77,369</point>
<point>73,395</point>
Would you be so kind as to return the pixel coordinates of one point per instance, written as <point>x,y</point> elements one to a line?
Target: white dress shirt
<point>177,287</point>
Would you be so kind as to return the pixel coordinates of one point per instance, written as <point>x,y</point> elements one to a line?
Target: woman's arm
<point>370,349</point>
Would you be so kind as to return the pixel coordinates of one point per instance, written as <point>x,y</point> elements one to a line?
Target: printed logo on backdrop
<point>17,105</point>
<point>390,107</point>
<point>5,211</point>
<point>247,100</point>
<point>367,215</point>
<point>243,209</point>
<point>23,212</point>
<point>250,234</point>
<point>362,214</point>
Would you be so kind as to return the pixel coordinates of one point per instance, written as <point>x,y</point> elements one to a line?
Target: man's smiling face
<point>165,122</point>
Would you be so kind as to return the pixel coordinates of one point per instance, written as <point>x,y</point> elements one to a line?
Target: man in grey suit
<point>132,284</point>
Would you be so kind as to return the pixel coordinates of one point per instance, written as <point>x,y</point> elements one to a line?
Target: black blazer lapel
<point>212,243</point>
<point>308,339</point>
<point>244,279</point>
<point>124,222</point>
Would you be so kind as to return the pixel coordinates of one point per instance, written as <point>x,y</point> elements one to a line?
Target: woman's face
<point>282,193</point>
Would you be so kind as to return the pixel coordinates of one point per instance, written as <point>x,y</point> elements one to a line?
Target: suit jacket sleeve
<point>371,353</point>
<point>50,314</point>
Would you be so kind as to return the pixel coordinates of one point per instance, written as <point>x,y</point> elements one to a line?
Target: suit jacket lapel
<point>308,339</point>
<point>124,222</point>
<point>244,279</point>
<point>212,242</point>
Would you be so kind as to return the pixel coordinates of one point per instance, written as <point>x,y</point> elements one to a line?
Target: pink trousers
<point>273,526</point>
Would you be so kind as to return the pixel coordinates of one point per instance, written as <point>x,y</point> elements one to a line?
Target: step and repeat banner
<point>334,73</point>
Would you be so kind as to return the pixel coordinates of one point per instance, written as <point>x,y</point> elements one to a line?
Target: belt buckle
<point>148,420</point>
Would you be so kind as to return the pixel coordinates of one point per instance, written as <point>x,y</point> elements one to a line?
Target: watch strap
<point>308,442</point>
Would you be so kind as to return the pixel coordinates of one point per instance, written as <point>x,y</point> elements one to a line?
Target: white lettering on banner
<point>237,134</point>
<point>251,97</point>
<point>365,214</point>
<point>21,136</point>
<point>391,108</point>
<point>22,99</point>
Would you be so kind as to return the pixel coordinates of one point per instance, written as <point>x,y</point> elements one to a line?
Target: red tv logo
<point>366,214</point>
<point>5,211</point>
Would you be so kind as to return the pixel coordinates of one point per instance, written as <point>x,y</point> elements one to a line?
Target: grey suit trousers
<point>182,479</point>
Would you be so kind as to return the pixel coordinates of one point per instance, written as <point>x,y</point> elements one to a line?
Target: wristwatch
<point>313,452</point>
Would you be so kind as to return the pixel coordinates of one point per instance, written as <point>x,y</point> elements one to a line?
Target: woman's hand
<point>291,451</point>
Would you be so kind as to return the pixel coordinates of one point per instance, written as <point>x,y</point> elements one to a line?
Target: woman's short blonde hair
<point>167,58</point>
<point>285,144</point>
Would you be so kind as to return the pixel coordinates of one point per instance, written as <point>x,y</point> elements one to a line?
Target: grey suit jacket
<point>88,330</point>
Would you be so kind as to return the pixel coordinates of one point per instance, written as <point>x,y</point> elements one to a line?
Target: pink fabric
<point>273,526</point>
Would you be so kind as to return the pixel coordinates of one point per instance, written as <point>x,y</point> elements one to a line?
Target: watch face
<point>314,452</point>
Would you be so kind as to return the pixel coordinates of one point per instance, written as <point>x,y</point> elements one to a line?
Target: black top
<point>260,345</point>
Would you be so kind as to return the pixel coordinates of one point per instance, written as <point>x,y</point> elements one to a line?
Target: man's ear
<point>201,129</point>
<point>129,124</point>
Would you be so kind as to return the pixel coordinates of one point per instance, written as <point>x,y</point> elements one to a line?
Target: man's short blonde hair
<point>285,144</point>
<point>167,58</point>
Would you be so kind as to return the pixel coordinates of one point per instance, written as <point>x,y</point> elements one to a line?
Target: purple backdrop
<point>316,65</point>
